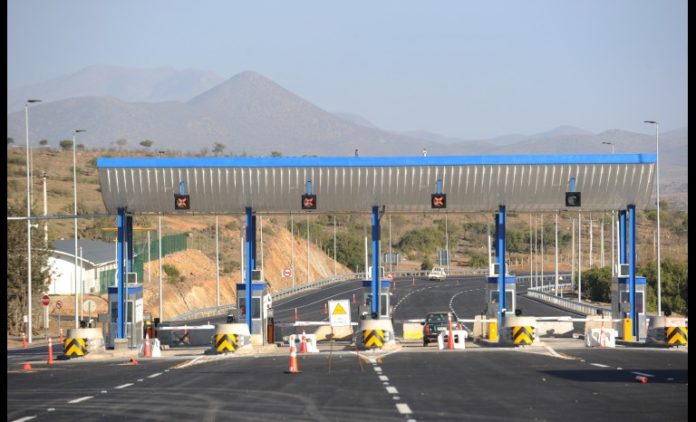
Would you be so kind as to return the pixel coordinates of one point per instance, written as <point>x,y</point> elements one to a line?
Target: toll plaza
<point>378,186</point>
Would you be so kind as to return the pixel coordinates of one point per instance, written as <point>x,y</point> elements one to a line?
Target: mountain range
<point>250,114</point>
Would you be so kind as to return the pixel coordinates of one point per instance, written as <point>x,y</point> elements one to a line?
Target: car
<point>437,273</point>
<point>434,323</point>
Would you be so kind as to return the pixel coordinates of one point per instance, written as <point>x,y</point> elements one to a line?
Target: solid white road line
<point>600,365</point>
<point>123,386</point>
<point>643,374</point>
<point>26,418</point>
<point>154,375</point>
<point>403,408</point>
<point>392,390</point>
<point>80,399</point>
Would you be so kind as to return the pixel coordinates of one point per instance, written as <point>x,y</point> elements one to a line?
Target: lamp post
<point>610,143</point>
<point>26,120</point>
<point>75,132</point>
<point>657,184</point>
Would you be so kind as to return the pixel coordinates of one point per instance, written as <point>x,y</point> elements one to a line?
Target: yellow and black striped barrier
<point>677,336</point>
<point>75,347</point>
<point>522,335</point>
<point>225,343</point>
<point>373,338</point>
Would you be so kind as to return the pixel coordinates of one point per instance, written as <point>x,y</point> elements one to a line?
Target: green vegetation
<point>66,144</point>
<point>425,240</point>
<point>173,275</point>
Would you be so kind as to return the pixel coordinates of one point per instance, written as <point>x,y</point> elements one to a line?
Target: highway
<point>562,381</point>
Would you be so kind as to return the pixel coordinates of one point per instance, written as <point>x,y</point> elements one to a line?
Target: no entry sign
<point>45,300</point>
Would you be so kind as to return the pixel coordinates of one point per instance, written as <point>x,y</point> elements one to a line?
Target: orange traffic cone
<point>354,299</point>
<point>146,349</point>
<point>450,337</point>
<point>293,360</point>
<point>303,343</point>
<point>133,361</point>
<point>24,340</point>
<point>61,335</point>
<point>295,314</point>
<point>26,366</point>
<point>50,351</point>
<point>413,282</point>
<point>642,379</point>
<point>326,309</point>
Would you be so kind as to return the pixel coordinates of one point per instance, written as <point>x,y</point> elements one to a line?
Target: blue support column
<point>129,244</point>
<point>120,267</point>
<point>375,261</point>
<point>500,255</point>
<point>632,267</point>
<point>622,237</point>
<point>249,255</point>
<point>253,242</point>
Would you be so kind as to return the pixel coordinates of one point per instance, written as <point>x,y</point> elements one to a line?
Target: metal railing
<point>571,305</point>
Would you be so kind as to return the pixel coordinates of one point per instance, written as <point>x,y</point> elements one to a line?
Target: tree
<point>173,274</point>
<point>218,148</point>
<point>66,144</point>
<point>596,284</point>
<point>80,147</point>
<point>146,143</point>
<point>43,142</point>
<point>17,272</point>
<point>276,154</point>
<point>121,142</point>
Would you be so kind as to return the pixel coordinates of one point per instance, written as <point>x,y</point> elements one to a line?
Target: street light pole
<point>610,143</point>
<point>657,177</point>
<point>26,120</point>
<point>75,132</point>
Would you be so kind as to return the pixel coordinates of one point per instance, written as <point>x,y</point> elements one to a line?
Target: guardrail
<point>575,306</point>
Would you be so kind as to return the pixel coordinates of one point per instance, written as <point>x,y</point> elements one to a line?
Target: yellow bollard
<point>628,329</point>
<point>493,331</point>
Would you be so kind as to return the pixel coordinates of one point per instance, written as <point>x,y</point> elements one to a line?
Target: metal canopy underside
<point>355,184</point>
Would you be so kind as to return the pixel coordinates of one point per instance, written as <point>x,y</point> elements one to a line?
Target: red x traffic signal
<point>309,202</point>
<point>438,200</point>
<point>182,202</point>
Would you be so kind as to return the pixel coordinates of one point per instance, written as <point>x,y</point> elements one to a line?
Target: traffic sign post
<point>45,300</point>
<point>59,305</point>
<point>287,272</point>
<point>339,313</point>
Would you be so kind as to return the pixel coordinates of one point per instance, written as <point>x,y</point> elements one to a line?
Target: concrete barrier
<point>231,337</point>
<point>554,329</point>
<point>375,333</point>
<point>413,331</point>
<point>601,337</point>
<point>519,330</point>
<point>598,321</point>
<point>459,339</point>
<point>80,341</point>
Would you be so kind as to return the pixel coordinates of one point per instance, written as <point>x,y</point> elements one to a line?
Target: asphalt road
<point>562,382</point>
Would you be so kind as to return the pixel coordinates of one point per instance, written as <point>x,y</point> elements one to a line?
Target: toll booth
<point>385,304</point>
<point>133,316</point>
<point>621,308</point>
<point>261,308</point>
<point>492,293</point>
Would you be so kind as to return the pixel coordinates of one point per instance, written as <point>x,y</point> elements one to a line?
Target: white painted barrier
<point>601,337</point>
<point>459,337</point>
<point>311,340</point>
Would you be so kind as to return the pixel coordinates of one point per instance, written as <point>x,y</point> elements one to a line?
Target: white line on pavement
<point>600,365</point>
<point>80,399</point>
<point>383,378</point>
<point>643,374</point>
<point>154,375</point>
<point>403,408</point>
<point>123,386</point>
<point>392,390</point>
<point>378,369</point>
<point>26,418</point>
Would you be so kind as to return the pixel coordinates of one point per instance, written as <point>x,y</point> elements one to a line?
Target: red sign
<point>45,300</point>
<point>287,272</point>
<point>59,304</point>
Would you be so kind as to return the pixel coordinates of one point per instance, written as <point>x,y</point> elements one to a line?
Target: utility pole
<point>601,234</point>
<point>590,240</point>
<point>579,257</point>
<point>556,260</point>
<point>292,249</point>
<point>159,235</point>
<point>217,263</point>
<point>45,204</point>
<point>334,248</point>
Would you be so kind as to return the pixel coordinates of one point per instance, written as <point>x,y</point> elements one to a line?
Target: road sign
<point>287,272</point>
<point>59,304</point>
<point>45,300</point>
<point>89,306</point>
<point>309,202</point>
<point>339,313</point>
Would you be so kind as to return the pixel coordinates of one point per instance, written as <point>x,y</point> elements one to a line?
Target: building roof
<point>95,252</point>
<point>356,184</point>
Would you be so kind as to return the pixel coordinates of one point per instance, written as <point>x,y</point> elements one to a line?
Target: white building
<point>96,268</point>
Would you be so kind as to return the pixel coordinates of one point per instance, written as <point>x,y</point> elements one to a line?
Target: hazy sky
<point>471,69</point>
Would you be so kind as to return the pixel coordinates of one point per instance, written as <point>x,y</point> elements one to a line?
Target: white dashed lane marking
<point>123,386</point>
<point>26,418</point>
<point>81,399</point>
<point>392,390</point>
<point>383,378</point>
<point>600,365</point>
<point>403,408</point>
<point>154,375</point>
<point>643,374</point>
